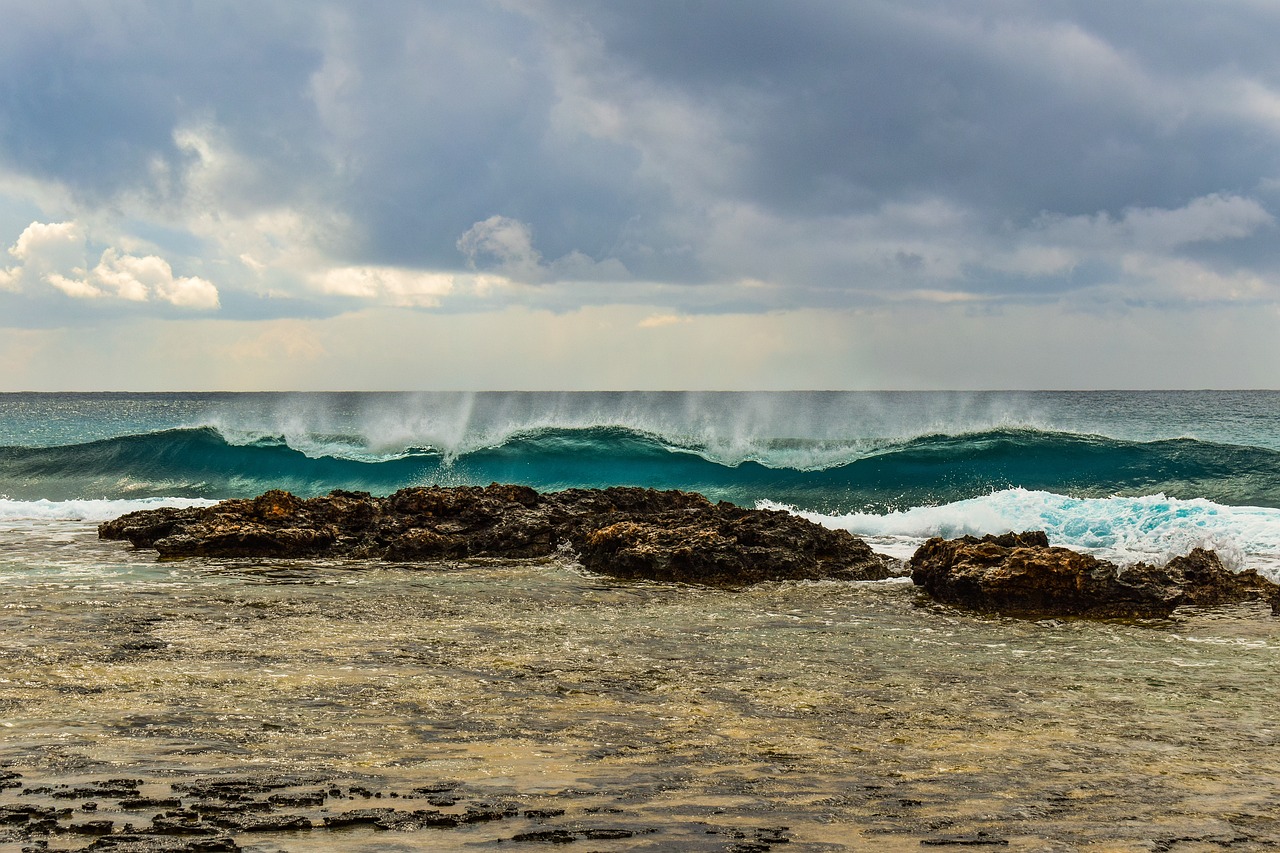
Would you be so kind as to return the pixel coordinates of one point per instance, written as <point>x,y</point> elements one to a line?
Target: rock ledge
<point>1021,574</point>
<point>621,532</point>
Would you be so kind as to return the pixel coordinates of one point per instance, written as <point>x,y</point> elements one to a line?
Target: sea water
<point>1127,475</point>
<point>856,715</point>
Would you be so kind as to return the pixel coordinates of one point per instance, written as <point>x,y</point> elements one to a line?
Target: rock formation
<point>1021,574</point>
<point>622,532</point>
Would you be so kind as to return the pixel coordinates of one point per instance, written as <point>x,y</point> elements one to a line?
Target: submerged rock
<point>621,532</point>
<point>1021,574</point>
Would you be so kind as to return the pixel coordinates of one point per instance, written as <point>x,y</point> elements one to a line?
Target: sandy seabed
<point>529,705</point>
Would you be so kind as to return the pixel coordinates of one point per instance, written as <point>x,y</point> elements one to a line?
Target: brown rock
<point>623,532</point>
<point>1021,574</point>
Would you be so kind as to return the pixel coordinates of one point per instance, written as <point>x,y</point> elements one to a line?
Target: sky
<point>639,194</point>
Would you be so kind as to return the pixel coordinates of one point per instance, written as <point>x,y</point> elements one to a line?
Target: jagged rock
<point>622,532</point>
<point>1021,574</point>
<point>731,547</point>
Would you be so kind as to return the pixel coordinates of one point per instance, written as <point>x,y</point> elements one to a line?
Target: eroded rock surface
<point>622,532</point>
<point>1021,574</point>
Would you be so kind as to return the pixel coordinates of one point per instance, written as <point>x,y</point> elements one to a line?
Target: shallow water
<point>852,714</point>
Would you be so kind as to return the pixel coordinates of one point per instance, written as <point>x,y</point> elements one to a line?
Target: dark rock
<point>262,823</point>
<point>179,824</point>
<point>1021,574</point>
<point>21,814</point>
<point>238,789</point>
<point>360,817</point>
<point>299,800</point>
<point>435,788</point>
<point>393,820</point>
<point>136,803</point>
<point>542,814</point>
<point>236,808</point>
<point>128,843</point>
<point>978,839</point>
<point>111,789</point>
<point>547,836</point>
<point>622,532</point>
<point>484,812</point>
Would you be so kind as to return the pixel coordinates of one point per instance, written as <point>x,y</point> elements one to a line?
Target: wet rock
<point>262,823</point>
<point>607,834</point>
<point>547,836</point>
<point>180,824</point>
<point>1021,574</point>
<point>298,800</point>
<point>132,843</point>
<point>480,812</point>
<point>360,817</point>
<point>542,814</point>
<point>622,532</point>
<point>978,839</point>
<point>111,789</point>
<point>137,803</point>
<point>241,789</point>
<point>237,808</point>
<point>24,814</point>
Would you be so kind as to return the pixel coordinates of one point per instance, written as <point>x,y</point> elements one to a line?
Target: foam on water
<point>1149,528</point>
<point>801,431</point>
<point>85,510</point>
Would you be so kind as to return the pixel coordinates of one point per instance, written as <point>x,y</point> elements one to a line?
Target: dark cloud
<point>92,93</point>
<point>814,143</point>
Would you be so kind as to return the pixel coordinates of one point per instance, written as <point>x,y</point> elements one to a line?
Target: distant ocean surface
<point>1129,475</point>
<point>829,715</point>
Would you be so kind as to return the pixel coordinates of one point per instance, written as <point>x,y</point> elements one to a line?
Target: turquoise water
<point>1130,475</point>
<point>857,716</point>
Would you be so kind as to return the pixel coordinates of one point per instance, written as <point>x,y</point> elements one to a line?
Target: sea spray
<point>1150,528</point>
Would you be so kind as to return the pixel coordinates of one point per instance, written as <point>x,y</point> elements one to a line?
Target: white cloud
<point>657,321</point>
<point>392,285</point>
<point>509,242</point>
<point>1185,280</point>
<point>54,254</point>
<point>45,246</point>
<point>1208,219</point>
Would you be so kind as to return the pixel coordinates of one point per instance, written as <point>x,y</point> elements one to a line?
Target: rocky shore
<point>226,814</point>
<point>1021,574</point>
<point>620,532</point>
<point>676,536</point>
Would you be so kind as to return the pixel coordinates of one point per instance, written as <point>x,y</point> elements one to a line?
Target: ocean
<point>827,716</point>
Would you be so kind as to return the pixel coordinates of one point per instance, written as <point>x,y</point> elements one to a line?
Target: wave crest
<point>852,476</point>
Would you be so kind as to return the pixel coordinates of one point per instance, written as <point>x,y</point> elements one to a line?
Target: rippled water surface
<point>832,715</point>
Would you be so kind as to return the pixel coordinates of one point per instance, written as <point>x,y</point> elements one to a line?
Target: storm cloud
<point>288,162</point>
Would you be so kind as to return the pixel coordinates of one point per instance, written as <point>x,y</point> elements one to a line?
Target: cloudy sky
<point>566,194</point>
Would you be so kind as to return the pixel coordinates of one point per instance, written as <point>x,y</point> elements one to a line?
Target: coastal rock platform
<point>622,532</point>
<point>1021,574</point>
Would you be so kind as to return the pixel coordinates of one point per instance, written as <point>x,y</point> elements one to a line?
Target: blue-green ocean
<point>1126,474</point>
<point>636,717</point>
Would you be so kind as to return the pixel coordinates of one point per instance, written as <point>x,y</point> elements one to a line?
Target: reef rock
<point>1021,574</point>
<point>622,532</point>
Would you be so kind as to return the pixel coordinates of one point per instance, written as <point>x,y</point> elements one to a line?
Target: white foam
<point>1150,528</point>
<point>86,510</point>
<point>804,431</point>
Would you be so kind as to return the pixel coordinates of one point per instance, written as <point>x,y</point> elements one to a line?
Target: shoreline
<point>845,712</point>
